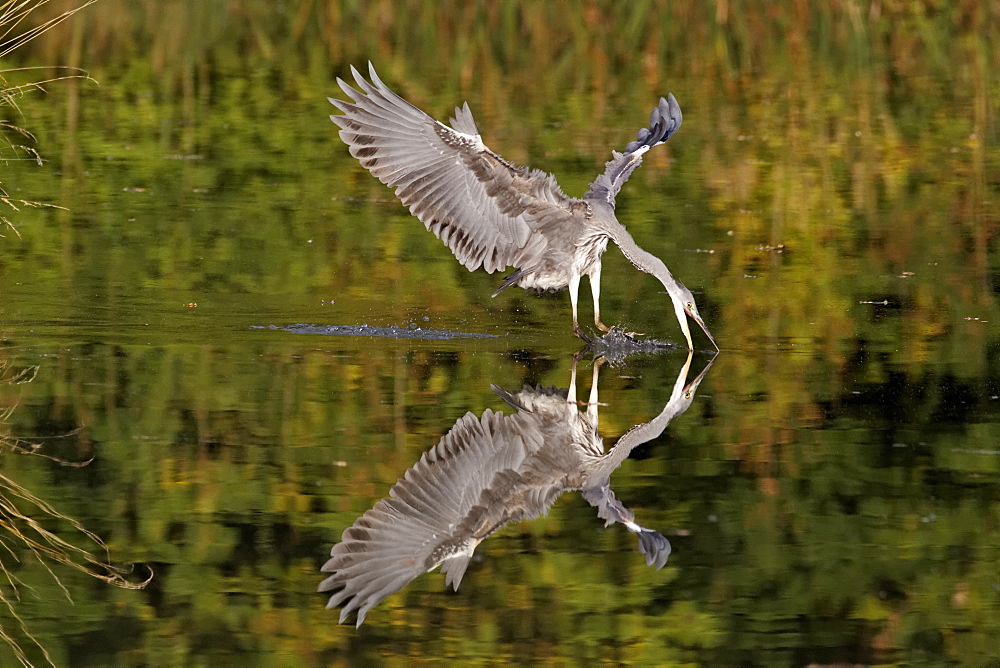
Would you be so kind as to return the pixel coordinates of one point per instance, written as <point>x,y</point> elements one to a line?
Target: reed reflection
<point>26,520</point>
<point>486,472</point>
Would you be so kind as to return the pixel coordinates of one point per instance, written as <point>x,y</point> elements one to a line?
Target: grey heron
<point>485,473</point>
<point>494,215</point>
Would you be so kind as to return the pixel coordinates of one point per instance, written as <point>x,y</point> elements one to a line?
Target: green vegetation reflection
<point>832,197</point>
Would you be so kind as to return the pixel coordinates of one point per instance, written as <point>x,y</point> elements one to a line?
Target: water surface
<point>831,496</point>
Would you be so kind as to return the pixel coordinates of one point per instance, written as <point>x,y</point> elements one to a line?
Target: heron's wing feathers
<point>663,122</point>
<point>463,122</point>
<point>436,514</point>
<point>481,206</point>
<point>651,543</point>
<point>377,556</point>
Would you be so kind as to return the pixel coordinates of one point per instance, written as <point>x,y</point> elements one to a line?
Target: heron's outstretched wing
<point>436,513</point>
<point>651,543</point>
<point>482,207</point>
<point>663,122</point>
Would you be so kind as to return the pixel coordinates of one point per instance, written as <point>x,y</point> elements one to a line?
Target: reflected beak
<point>693,385</point>
<point>701,323</point>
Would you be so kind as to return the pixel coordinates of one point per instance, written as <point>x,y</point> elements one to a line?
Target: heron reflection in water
<point>485,473</point>
<point>494,215</point>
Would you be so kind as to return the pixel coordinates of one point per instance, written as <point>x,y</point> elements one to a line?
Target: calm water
<point>832,495</point>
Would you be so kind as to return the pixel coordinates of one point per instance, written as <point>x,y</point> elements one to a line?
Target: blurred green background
<point>833,496</point>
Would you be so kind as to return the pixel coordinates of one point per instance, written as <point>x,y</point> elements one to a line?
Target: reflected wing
<point>483,208</point>
<point>651,543</point>
<point>437,513</point>
<point>663,122</point>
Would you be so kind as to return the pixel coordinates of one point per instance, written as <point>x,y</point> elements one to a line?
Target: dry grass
<point>15,32</point>
<point>22,513</point>
<point>22,533</point>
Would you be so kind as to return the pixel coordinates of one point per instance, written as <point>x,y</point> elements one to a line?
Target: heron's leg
<point>592,402</point>
<point>595,289</point>
<point>571,392</point>
<point>574,296</point>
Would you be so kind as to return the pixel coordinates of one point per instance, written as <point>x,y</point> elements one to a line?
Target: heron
<point>493,214</point>
<point>485,473</point>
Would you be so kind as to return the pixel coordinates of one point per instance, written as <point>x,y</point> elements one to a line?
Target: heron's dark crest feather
<point>664,121</point>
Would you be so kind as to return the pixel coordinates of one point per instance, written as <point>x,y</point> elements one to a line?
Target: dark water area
<point>226,341</point>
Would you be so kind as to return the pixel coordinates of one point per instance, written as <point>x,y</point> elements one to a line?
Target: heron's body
<point>494,215</point>
<point>485,473</point>
<point>578,254</point>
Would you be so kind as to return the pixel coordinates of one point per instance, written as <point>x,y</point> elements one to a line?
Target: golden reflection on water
<point>830,198</point>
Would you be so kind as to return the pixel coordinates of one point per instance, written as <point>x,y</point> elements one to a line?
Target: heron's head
<point>684,303</point>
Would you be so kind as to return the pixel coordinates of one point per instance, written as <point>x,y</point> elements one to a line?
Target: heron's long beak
<point>701,323</point>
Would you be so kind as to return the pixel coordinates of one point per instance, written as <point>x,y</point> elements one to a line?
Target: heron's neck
<point>651,264</point>
<point>680,400</point>
<point>642,260</point>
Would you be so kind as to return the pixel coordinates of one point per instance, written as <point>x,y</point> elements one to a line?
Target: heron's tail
<point>509,281</point>
<point>507,397</point>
